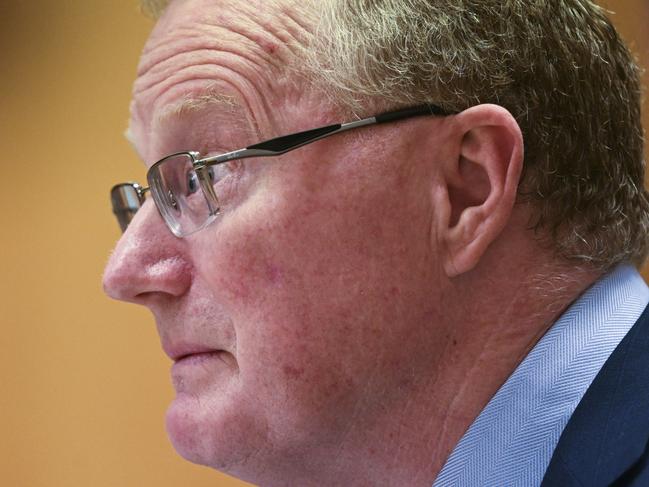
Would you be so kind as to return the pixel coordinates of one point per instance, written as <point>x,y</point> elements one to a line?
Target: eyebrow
<point>227,106</point>
<point>197,102</point>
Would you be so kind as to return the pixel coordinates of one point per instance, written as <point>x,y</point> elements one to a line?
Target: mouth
<point>200,370</point>
<point>182,351</point>
<point>198,356</point>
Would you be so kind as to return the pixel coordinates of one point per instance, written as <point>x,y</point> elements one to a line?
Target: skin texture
<point>366,294</point>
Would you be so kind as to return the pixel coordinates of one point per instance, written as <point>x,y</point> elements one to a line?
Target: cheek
<point>310,288</point>
<point>293,324</point>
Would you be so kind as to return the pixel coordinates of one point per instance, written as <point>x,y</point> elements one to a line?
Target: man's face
<point>297,317</point>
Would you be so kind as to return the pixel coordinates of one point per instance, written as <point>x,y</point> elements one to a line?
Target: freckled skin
<point>298,281</point>
<point>322,279</point>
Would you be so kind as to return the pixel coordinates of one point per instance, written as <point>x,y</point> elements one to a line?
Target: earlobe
<point>481,184</point>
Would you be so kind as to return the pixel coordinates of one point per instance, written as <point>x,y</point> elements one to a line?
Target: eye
<point>192,182</point>
<point>218,171</point>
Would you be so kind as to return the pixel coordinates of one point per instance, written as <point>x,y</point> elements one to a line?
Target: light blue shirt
<point>512,440</point>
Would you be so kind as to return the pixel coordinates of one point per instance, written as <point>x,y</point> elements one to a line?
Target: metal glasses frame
<point>123,195</point>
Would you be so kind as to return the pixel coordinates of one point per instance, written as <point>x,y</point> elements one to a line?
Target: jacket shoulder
<point>605,441</point>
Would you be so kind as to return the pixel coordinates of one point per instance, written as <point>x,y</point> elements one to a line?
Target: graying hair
<point>558,66</point>
<point>153,8</point>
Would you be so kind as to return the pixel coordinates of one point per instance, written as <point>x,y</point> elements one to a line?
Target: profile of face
<point>296,317</point>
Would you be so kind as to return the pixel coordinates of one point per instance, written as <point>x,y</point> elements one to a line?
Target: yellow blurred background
<point>84,384</point>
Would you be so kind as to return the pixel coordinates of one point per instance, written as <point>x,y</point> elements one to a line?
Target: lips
<point>195,355</point>
<point>197,358</point>
<point>181,351</point>
<point>199,370</point>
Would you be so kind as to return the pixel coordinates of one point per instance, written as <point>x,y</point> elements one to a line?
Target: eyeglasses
<point>183,185</point>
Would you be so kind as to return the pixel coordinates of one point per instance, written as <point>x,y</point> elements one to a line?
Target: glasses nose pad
<point>171,198</point>
<point>206,180</point>
<point>126,199</point>
<point>124,217</point>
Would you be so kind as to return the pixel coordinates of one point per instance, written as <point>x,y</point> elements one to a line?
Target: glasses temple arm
<point>281,145</point>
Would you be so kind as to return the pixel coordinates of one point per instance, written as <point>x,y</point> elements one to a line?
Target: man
<point>439,294</point>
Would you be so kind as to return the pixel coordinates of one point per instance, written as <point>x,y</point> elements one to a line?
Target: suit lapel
<point>609,429</point>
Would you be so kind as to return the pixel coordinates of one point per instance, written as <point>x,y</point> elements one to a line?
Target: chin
<point>190,436</point>
<point>222,438</point>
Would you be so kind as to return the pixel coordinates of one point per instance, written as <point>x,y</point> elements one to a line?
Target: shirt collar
<point>512,440</point>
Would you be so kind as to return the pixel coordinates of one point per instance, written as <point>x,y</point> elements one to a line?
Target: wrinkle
<point>220,55</point>
<point>226,68</point>
<point>243,99</point>
<point>285,41</point>
<point>269,57</point>
<point>210,35</point>
<point>163,65</point>
<point>204,39</point>
<point>289,13</point>
<point>175,80</point>
<point>251,52</point>
<point>477,368</point>
<point>358,413</point>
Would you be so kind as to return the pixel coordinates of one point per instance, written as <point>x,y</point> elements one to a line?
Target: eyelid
<point>212,151</point>
<point>229,167</point>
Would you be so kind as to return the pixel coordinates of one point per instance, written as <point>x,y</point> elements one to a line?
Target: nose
<point>148,260</point>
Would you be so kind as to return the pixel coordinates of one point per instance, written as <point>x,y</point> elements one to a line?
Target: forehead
<point>228,55</point>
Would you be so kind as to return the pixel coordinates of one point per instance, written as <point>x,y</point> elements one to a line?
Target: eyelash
<point>225,173</point>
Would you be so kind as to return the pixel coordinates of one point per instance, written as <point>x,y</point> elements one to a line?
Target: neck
<point>489,320</point>
<point>484,339</point>
<point>494,333</point>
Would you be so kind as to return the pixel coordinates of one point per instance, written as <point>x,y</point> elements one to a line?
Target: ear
<point>478,185</point>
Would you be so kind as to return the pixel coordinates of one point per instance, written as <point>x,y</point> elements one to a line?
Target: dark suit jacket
<point>606,441</point>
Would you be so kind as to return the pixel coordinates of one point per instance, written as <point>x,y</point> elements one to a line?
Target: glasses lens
<point>126,201</point>
<point>178,194</point>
